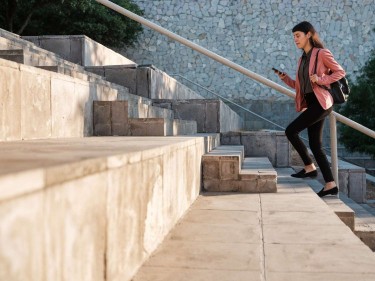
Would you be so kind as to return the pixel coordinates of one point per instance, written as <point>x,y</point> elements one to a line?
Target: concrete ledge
<point>67,198</point>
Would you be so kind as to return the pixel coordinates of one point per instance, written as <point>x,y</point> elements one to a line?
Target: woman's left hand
<point>314,78</point>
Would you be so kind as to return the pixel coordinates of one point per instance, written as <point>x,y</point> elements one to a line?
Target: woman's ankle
<point>329,185</point>
<point>309,168</point>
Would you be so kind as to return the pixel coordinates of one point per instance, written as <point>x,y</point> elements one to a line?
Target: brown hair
<point>306,27</point>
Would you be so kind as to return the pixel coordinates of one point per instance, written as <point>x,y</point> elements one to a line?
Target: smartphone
<point>277,71</point>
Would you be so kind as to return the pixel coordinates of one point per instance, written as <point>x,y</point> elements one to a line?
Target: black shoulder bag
<point>339,90</point>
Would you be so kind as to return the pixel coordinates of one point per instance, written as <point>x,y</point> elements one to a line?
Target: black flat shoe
<point>303,174</point>
<point>332,191</point>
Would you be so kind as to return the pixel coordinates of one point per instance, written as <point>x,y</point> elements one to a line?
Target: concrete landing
<point>291,235</point>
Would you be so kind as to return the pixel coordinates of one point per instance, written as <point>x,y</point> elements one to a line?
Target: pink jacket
<point>326,62</point>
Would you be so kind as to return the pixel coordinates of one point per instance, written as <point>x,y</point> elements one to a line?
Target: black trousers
<point>312,119</point>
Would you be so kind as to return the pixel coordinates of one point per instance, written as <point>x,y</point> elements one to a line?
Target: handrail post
<point>334,159</point>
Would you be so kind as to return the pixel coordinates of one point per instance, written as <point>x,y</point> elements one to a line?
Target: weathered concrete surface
<point>83,209</point>
<point>292,235</point>
<point>272,144</point>
<point>79,49</point>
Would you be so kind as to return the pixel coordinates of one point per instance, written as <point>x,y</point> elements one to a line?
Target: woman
<point>313,101</point>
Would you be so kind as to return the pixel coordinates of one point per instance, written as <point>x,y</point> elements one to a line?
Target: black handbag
<point>339,90</point>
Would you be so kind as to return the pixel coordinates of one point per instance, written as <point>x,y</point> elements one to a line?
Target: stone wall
<point>255,34</point>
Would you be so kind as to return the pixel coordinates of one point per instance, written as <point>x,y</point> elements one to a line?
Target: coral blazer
<point>326,63</point>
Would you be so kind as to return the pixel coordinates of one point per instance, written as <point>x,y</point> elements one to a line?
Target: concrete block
<point>143,82</point>
<point>22,238</point>
<point>126,77</point>
<point>59,45</point>
<point>77,50</point>
<point>10,105</point>
<point>111,118</point>
<point>283,150</point>
<point>212,120</point>
<point>230,138</point>
<point>75,226</point>
<point>367,235</point>
<point>13,55</point>
<point>67,120</point>
<point>274,145</point>
<point>229,170</point>
<point>119,118</point>
<point>102,115</point>
<point>150,127</point>
<point>35,105</point>
<point>238,186</point>
<point>192,111</point>
<point>357,186</point>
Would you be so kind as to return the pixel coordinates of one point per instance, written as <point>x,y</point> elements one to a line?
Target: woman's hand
<point>281,75</point>
<point>314,78</point>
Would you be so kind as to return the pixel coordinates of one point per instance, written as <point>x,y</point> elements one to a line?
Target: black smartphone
<point>277,71</point>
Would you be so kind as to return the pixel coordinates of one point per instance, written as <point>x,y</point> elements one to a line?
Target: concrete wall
<point>253,33</point>
<point>96,219</point>
<point>41,104</point>
<point>79,49</point>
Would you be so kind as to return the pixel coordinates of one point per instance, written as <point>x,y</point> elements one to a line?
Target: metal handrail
<point>334,116</point>
<point>228,100</point>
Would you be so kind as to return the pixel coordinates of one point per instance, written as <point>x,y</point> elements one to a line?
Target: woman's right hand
<point>281,75</point>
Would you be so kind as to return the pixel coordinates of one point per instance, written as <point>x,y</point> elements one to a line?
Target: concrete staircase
<point>78,207</point>
<point>225,169</point>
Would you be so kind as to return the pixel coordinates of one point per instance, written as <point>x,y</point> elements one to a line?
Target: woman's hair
<point>305,27</point>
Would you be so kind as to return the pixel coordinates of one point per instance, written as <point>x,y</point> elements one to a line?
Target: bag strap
<point>316,63</point>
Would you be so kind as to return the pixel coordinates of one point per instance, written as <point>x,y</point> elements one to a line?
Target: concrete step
<point>290,235</point>
<point>360,220</point>
<point>226,169</point>
<point>64,198</point>
<point>119,118</point>
<point>145,81</point>
<point>50,63</point>
<point>161,127</point>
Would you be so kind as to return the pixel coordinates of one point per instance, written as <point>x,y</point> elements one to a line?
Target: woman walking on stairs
<point>314,102</point>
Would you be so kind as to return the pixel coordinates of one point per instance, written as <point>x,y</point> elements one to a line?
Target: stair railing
<point>333,117</point>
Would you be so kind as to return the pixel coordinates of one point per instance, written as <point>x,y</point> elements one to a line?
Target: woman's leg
<point>303,121</point>
<point>315,133</point>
